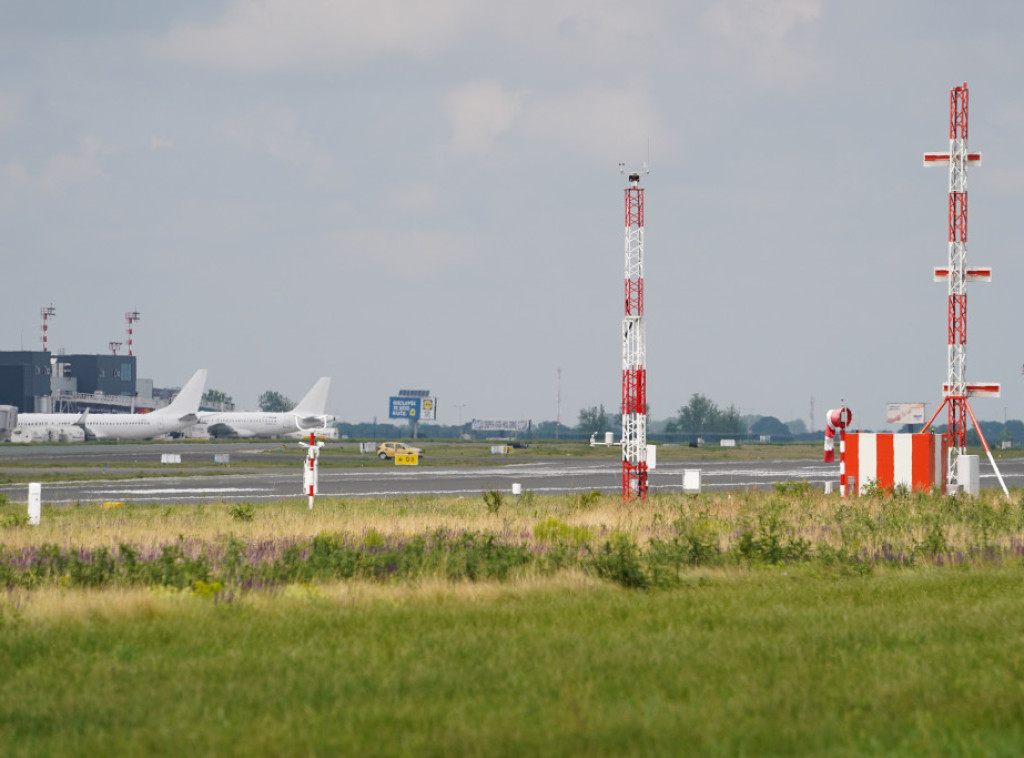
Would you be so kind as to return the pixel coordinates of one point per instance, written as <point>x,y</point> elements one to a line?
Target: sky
<point>425,194</point>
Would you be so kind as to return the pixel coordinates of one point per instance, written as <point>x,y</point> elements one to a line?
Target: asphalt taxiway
<point>279,474</point>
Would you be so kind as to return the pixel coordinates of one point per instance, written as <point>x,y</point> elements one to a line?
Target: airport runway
<point>564,475</point>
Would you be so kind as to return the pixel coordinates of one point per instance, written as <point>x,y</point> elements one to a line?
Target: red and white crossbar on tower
<point>634,351</point>
<point>956,389</point>
<point>131,317</point>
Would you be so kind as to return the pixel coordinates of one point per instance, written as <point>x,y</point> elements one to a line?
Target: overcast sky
<point>424,194</point>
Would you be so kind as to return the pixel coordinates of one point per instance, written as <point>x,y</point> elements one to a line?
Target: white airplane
<point>308,413</point>
<point>73,427</point>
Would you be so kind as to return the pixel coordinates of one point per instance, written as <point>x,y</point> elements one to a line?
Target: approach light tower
<point>131,317</point>
<point>956,390</point>
<point>46,313</point>
<point>634,350</point>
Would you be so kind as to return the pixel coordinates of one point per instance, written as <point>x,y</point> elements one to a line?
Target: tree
<point>770,426</point>
<point>274,402</point>
<point>697,416</point>
<point>730,422</point>
<point>702,416</point>
<point>217,399</point>
<point>593,420</point>
<point>796,426</point>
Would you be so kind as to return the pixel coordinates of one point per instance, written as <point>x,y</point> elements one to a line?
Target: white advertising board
<point>499,425</point>
<point>904,413</point>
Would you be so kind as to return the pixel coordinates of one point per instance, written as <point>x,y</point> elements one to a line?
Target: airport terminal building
<point>45,382</point>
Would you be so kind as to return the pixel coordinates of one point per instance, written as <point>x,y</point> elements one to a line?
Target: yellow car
<point>391,449</point>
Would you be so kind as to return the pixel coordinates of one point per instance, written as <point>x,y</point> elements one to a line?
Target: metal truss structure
<point>634,351</point>
<point>956,390</point>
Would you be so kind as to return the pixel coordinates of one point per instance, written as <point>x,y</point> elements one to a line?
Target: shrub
<point>583,500</point>
<point>553,531</point>
<point>619,561</point>
<point>242,512</point>
<point>492,499</point>
<point>14,520</point>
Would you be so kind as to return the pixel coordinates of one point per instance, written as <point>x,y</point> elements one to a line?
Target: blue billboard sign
<point>404,407</point>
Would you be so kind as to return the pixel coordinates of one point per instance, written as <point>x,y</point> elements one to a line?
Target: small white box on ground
<point>652,457</point>
<point>727,443</point>
<point>35,503</point>
<point>691,480</point>
<point>969,474</point>
<point>828,488</point>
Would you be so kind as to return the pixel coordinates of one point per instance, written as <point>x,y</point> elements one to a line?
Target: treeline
<point>700,418</point>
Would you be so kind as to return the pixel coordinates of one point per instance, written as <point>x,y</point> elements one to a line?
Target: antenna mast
<point>46,312</point>
<point>956,390</point>
<point>634,349</point>
<point>131,317</point>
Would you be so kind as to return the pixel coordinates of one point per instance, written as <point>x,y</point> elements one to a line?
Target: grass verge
<point>760,624</point>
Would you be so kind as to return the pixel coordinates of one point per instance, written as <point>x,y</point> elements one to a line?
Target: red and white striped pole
<point>837,419</point>
<point>131,317</point>
<point>310,478</point>
<point>47,312</point>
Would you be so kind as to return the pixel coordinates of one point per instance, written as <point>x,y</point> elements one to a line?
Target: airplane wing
<point>307,422</point>
<point>82,423</point>
<point>220,430</point>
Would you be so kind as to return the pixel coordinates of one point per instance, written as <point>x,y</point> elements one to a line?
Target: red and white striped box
<point>916,461</point>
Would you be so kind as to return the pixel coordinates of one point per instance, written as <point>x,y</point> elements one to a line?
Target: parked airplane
<point>73,427</point>
<point>308,413</point>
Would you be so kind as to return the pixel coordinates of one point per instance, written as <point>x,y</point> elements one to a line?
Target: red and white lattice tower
<point>634,351</point>
<point>47,313</point>
<point>131,317</point>
<point>956,390</point>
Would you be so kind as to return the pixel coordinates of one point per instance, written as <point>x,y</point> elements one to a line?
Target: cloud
<point>607,124</point>
<point>479,113</point>
<point>761,31</point>
<point>63,171</point>
<point>9,108</point>
<point>419,199</point>
<point>159,143</point>
<point>407,255</point>
<point>303,34</point>
<point>279,135</point>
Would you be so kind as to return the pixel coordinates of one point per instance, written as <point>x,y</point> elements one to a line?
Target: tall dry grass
<point>866,523</point>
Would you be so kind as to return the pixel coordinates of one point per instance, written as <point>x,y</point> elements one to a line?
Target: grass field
<point>772,623</point>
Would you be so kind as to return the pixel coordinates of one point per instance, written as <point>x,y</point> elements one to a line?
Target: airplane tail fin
<point>315,401</point>
<point>187,400</point>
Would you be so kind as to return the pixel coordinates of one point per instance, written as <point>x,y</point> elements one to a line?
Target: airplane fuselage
<point>250,424</point>
<point>124,426</point>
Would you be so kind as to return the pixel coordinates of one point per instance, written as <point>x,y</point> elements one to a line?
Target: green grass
<point>772,623</point>
<point>907,663</point>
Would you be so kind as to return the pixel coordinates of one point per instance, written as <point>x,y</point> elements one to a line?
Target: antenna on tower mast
<point>46,312</point>
<point>131,317</point>
<point>634,347</point>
